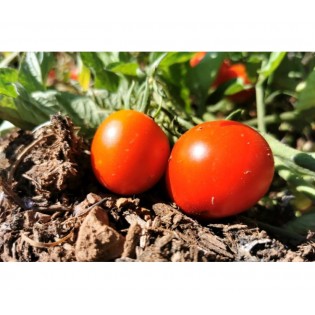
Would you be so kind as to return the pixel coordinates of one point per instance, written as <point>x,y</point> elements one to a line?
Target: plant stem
<point>306,115</point>
<point>146,97</point>
<point>260,107</point>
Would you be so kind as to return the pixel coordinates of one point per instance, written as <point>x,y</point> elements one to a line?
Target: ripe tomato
<point>129,152</point>
<point>227,72</point>
<point>230,71</point>
<point>218,169</point>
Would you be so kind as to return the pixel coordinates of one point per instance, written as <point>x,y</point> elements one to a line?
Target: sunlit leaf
<point>268,67</point>
<point>84,78</point>
<point>7,78</point>
<point>131,68</point>
<point>105,79</point>
<point>9,112</point>
<point>176,57</point>
<point>236,85</point>
<point>30,75</point>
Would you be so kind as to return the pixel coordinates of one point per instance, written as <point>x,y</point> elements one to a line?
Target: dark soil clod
<point>52,209</point>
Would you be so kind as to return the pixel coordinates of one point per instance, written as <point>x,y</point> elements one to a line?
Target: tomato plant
<point>129,152</point>
<point>219,168</point>
<point>228,72</point>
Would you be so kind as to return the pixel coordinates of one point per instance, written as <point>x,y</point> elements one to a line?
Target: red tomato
<point>129,152</point>
<point>228,72</point>
<point>74,74</point>
<point>218,169</point>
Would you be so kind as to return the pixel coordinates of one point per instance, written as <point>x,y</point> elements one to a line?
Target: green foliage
<point>306,94</point>
<point>88,86</point>
<point>7,79</point>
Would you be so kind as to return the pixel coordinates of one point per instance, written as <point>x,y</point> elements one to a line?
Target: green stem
<point>284,151</point>
<point>146,97</point>
<point>260,107</point>
<point>306,115</point>
<point>300,184</point>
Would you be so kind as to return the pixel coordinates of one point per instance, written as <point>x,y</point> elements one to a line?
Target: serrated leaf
<point>130,68</point>
<point>83,111</point>
<point>175,57</point>
<point>9,112</point>
<point>92,60</point>
<point>46,61</point>
<point>30,74</point>
<point>306,96</point>
<point>271,65</point>
<point>107,80</point>
<point>35,108</point>
<point>8,76</point>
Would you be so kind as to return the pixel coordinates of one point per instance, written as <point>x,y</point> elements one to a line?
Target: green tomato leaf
<point>175,57</point>
<point>30,75</point>
<point>92,60</point>
<point>36,108</point>
<point>8,76</point>
<point>83,111</point>
<point>46,61</point>
<point>131,68</point>
<point>236,85</point>
<point>306,94</point>
<point>269,66</point>
<point>9,112</point>
<point>107,80</point>
<point>104,79</point>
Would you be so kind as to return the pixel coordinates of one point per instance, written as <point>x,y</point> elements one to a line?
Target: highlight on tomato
<point>219,169</point>
<point>129,152</point>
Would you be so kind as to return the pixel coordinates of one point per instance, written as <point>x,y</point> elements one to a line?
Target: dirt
<point>53,209</point>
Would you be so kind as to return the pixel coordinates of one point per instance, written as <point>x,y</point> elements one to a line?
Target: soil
<point>53,209</point>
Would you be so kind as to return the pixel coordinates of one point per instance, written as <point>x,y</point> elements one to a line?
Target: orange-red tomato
<point>129,152</point>
<point>218,169</point>
<point>197,57</point>
<point>230,71</point>
<point>227,72</point>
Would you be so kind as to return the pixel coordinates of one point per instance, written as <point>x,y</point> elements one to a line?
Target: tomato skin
<point>129,152</point>
<point>218,169</point>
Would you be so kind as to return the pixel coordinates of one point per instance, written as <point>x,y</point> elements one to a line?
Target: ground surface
<point>52,209</point>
